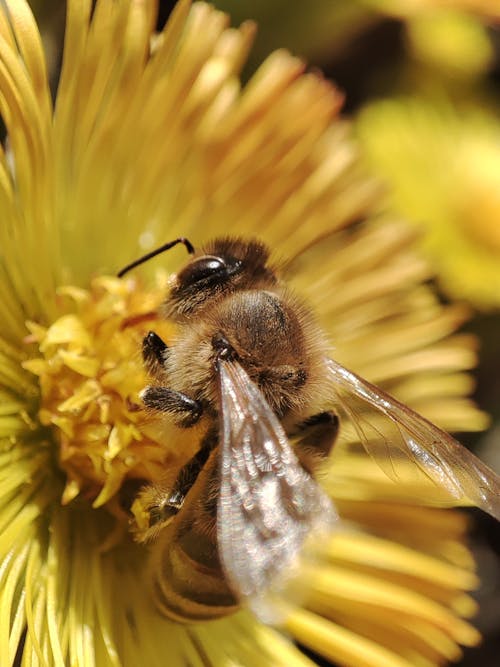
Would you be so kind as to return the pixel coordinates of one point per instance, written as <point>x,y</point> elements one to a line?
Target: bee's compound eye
<point>208,268</point>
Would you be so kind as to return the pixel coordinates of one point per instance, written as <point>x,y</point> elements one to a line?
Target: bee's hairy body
<point>226,298</point>
<point>250,364</point>
<point>270,339</point>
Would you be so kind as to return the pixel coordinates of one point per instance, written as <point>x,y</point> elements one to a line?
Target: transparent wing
<point>268,504</point>
<point>413,438</point>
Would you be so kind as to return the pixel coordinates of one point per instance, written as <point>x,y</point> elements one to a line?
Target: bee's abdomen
<point>187,579</point>
<point>188,592</point>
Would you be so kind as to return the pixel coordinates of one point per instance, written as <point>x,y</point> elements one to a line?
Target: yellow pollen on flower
<point>90,373</point>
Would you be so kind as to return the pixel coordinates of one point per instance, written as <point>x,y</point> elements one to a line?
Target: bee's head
<point>223,266</point>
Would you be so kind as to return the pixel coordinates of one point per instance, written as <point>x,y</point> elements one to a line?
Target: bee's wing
<point>268,504</point>
<point>412,437</point>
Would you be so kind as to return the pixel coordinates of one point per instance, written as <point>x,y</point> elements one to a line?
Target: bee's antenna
<point>153,253</point>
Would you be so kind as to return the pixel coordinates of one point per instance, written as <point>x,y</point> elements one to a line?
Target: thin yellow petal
<point>372,552</point>
<point>338,644</point>
<point>34,596</point>
<point>11,573</point>
<point>337,588</point>
<point>30,46</point>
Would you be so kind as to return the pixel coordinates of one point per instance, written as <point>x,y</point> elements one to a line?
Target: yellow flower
<point>442,170</point>
<point>449,42</point>
<point>148,140</point>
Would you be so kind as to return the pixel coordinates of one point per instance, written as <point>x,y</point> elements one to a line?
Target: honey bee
<point>250,360</point>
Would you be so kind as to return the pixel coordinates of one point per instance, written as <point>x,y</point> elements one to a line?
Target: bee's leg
<point>171,503</point>
<point>154,353</point>
<point>186,411</point>
<point>315,439</point>
<point>156,504</point>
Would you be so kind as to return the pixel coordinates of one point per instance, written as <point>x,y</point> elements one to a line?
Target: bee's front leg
<point>154,353</point>
<point>185,411</point>
<point>315,439</point>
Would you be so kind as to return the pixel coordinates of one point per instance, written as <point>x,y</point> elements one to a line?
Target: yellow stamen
<point>90,373</point>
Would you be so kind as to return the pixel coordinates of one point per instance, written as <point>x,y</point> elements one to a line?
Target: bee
<point>250,361</point>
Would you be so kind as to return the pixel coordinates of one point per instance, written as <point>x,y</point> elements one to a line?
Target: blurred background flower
<point>280,164</point>
<point>443,166</point>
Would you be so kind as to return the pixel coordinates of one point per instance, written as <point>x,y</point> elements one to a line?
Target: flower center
<point>90,373</point>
